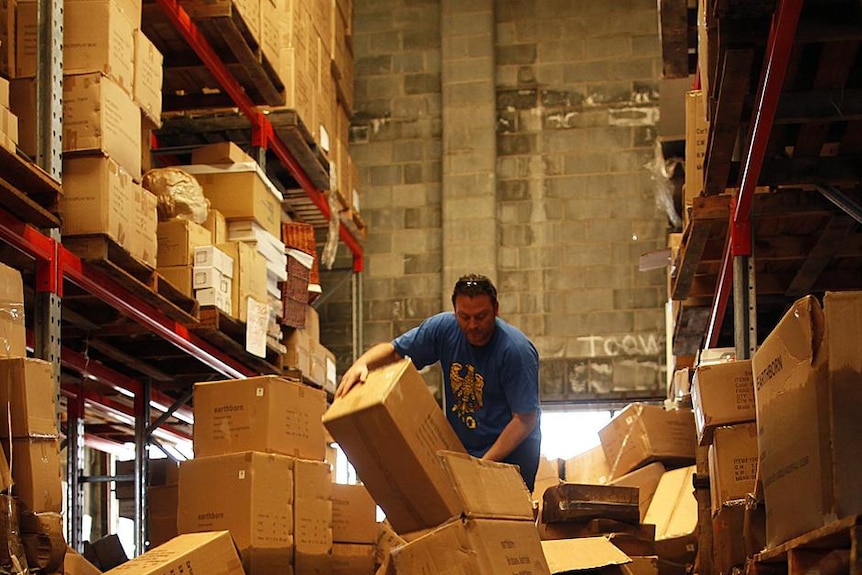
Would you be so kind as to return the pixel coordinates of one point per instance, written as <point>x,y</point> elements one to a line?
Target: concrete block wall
<point>510,137</point>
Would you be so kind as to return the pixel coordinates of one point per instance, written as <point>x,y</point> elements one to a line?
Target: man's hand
<point>378,355</point>
<point>357,373</point>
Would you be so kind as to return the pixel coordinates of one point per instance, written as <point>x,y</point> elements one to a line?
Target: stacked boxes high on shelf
<point>112,82</point>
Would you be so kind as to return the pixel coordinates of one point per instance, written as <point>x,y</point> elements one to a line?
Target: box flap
<point>674,508</point>
<point>488,488</point>
<point>567,555</point>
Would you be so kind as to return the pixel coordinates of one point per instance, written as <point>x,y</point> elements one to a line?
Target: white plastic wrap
<point>179,194</point>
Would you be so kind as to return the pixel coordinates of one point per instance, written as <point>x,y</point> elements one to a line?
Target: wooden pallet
<point>194,129</point>
<point>228,334</point>
<point>188,83</point>
<point>830,550</point>
<point>28,192</point>
<point>137,277</point>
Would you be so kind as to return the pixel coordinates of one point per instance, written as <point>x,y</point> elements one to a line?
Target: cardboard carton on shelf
<point>149,76</point>
<point>722,394</point>
<point>27,398</point>
<point>178,239</point>
<point>732,463</point>
<point>13,334</point>
<point>102,198</point>
<point>807,392</point>
<point>115,127</point>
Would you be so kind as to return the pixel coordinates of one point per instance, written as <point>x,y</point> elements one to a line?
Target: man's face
<point>476,318</point>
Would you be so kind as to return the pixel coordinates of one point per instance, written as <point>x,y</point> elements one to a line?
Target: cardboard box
<point>352,559</point>
<point>264,413</point>
<point>673,511</point>
<point>75,564</point>
<point>13,334</point>
<point>7,38</point>
<point>162,507</point>
<point>258,511</point>
<point>220,153</point>
<point>27,398</point>
<point>212,553</point>
<point>219,298</point>
<point>643,433</point>
<point>98,116</point>
<point>178,276</point>
<point>646,479</point>
<point>217,225</point>
<point>480,546</point>
<point>391,430</point>
<point>204,277</point>
<point>593,553</point>
<point>36,472</point>
<point>728,550</point>
<point>5,473</point>
<point>241,191</point>
<point>312,517</point>
<point>696,135</point>
<point>354,514</point>
<point>297,353</point>
<point>732,464</point>
<point>145,245</point>
<point>178,240</point>
<point>22,102</point>
<point>591,466</point>
<point>99,198</point>
<point>722,394</point>
<point>249,277</point>
<point>270,33</point>
<point>807,390</point>
<point>98,37</point>
<point>149,76</point>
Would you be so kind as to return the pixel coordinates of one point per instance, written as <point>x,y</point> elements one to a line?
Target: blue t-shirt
<point>483,385</point>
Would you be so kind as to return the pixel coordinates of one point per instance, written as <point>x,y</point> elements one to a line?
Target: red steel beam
<point>110,292</point>
<point>781,35</point>
<point>261,127</point>
<point>109,406</point>
<point>82,365</point>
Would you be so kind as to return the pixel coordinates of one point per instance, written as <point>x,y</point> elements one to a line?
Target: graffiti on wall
<point>613,365</point>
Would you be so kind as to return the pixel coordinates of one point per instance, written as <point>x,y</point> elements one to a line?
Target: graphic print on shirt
<point>467,391</point>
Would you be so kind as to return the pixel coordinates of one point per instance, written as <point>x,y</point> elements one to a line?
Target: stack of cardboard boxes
<point>29,435</point>
<point>455,511</point>
<point>808,389</point>
<point>649,448</point>
<point>723,399</point>
<point>162,489</point>
<point>112,79</point>
<point>259,472</point>
<point>354,530</point>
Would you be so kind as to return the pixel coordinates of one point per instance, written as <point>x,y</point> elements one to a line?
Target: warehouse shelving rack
<point>784,79</point>
<point>55,267</point>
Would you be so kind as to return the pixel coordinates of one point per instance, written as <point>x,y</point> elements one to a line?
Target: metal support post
<point>142,420</point>
<point>74,469</point>
<point>356,301</point>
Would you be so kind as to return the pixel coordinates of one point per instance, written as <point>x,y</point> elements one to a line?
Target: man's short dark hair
<point>472,285</point>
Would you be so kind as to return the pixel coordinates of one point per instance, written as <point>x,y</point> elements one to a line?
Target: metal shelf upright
<point>737,267</point>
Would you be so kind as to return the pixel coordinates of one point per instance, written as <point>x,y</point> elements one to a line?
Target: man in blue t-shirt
<point>490,374</point>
